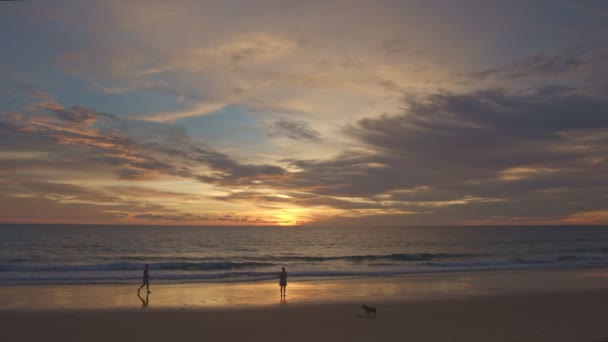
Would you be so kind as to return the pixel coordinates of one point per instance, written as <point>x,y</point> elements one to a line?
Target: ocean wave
<point>370,261</point>
<point>212,263</point>
<point>125,266</point>
<point>371,257</point>
<point>587,250</point>
<point>520,261</point>
<point>317,267</point>
<point>257,276</point>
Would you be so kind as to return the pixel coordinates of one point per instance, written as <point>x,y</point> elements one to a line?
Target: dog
<point>369,310</point>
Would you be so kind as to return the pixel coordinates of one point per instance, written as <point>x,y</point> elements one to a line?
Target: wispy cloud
<point>296,130</point>
<point>201,109</point>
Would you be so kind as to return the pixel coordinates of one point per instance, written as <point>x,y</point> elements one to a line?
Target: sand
<point>542,317</point>
<point>503,306</point>
<point>303,291</point>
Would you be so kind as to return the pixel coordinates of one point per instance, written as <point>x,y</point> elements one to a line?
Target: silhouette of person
<point>144,302</point>
<point>146,280</point>
<point>283,281</point>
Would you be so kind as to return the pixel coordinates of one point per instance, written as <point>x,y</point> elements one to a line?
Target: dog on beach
<point>369,310</point>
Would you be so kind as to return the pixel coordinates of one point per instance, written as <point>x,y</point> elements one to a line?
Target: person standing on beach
<point>146,281</point>
<point>283,282</point>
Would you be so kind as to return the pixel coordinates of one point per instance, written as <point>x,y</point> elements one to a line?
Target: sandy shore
<point>558,305</point>
<point>579,316</point>
<point>302,291</point>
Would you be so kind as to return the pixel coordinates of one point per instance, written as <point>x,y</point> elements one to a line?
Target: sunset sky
<point>304,112</point>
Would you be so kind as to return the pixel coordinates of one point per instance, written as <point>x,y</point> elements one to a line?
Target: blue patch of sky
<point>31,42</point>
<point>71,90</point>
<point>233,128</point>
<point>32,50</point>
<point>130,104</point>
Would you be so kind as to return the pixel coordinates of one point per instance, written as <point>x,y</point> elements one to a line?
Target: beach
<point>559,305</point>
<point>577,316</point>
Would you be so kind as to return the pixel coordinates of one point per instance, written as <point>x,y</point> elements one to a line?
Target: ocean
<point>102,254</point>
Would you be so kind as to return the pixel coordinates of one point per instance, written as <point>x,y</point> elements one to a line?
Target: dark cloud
<point>570,61</point>
<point>489,153</point>
<point>80,115</point>
<point>296,130</point>
<point>229,218</point>
<point>252,47</point>
<point>390,85</point>
<point>493,126</point>
<point>180,217</point>
<point>146,192</point>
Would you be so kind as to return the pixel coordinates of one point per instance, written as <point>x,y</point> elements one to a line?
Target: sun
<point>287,223</point>
<point>286,220</point>
<point>292,216</point>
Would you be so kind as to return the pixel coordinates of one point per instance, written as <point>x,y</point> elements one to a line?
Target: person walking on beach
<point>146,281</point>
<point>283,282</point>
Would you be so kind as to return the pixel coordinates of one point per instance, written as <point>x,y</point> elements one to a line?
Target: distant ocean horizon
<point>115,254</point>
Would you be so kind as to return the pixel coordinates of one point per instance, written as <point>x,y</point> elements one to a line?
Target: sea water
<point>91,254</point>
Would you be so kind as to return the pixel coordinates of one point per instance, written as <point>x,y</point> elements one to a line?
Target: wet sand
<point>488,306</point>
<point>579,316</point>
<point>302,291</point>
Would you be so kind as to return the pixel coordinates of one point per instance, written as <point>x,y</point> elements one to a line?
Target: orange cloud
<point>588,217</point>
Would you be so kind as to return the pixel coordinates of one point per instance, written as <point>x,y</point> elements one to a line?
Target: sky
<point>304,112</point>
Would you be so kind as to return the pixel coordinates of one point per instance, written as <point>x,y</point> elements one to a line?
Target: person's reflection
<point>144,302</point>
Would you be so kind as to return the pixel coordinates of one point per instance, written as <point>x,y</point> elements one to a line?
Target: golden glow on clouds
<point>522,172</point>
<point>588,217</point>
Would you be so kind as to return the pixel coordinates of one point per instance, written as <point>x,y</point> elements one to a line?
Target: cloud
<point>78,115</point>
<point>446,156</point>
<point>229,218</point>
<point>202,108</point>
<point>133,156</point>
<point>580,65</point>
<point>32,200</point>
<point>291,129</point>
<point>253,46</point>
<point>539,65</point>
<point>48,210</point>
<point>491,153</point>
<point>589,217</point>
<point>31,91</point>
<point>61,191</point>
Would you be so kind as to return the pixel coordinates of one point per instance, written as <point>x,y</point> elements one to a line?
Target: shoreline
<point>259,294</point>
<point>535,306</point>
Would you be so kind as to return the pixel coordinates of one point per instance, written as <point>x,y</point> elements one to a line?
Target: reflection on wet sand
<point>407,288</point>
<point>144,302</point>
